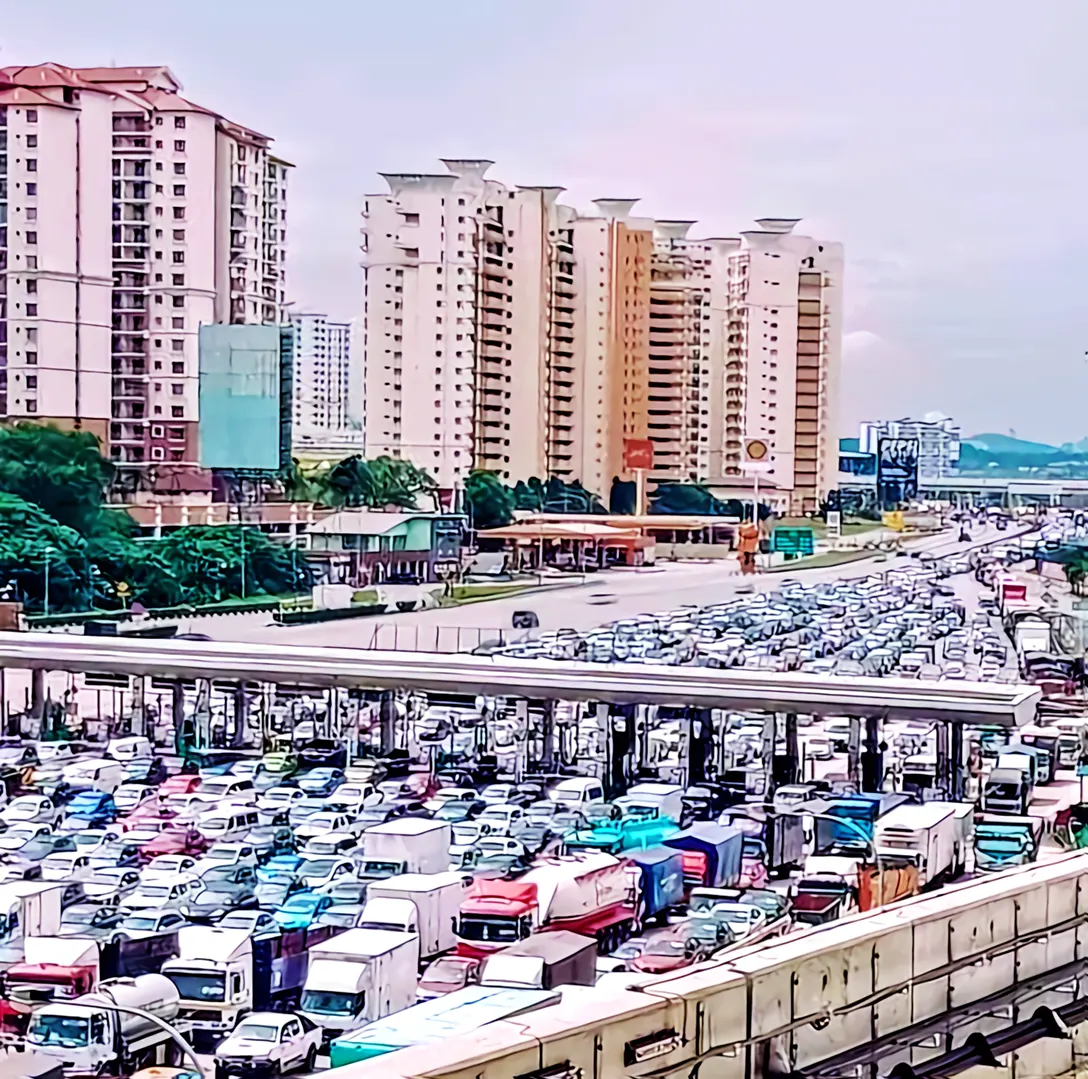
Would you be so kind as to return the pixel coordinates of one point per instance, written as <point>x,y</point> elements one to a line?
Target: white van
<point>130,749</point>
<point>577,791</point>
<point>228,823</point>
<point>98,774</point>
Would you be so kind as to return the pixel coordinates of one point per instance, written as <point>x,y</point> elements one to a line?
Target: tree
<point>33,546</point>
<point>1076,573</point>
<point>490,504</point>
<point>355,481</point>
<point>63,472</point>
<point>120,557</point>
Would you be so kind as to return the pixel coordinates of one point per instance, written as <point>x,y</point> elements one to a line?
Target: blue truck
<point>712,854</point>
<point>662,870</point>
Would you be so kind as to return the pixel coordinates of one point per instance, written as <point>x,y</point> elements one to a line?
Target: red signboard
<point>638,453</point>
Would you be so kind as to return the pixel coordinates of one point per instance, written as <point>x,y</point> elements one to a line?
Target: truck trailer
<point>544,961</point>
<point>404,845</point>
<point>927,836</point>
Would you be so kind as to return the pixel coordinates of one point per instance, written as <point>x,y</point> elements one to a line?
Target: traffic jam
<point>298,909</point>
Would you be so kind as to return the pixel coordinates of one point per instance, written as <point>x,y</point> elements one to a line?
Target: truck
<point>1032,635</point>
<point>929,837</point>
<point>404,845</point>
<point>662,880</point>
<point>619,836</point>
<point>423,903</point>
<point>780,834</point>
<point>712,854</point>
<point>1003,841</point>
<point>544,961</point>
<point>818,900</point>
<point>223,974</point>
<point>879,885</point>
<point>844,831</point>
<point>593,894</point>
<point>63,968</point>
<point>652,800</point>
<point>1007,790</point>
<point>358,977</point>
<point>91,1036</point>
<point>30,908</point>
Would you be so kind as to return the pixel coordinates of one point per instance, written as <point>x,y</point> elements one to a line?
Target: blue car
<point>282,865</point>
<point>301,911</point>
<point>89,809</point>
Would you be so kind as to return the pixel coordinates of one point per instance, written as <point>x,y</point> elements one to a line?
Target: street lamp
<point>47,552</point>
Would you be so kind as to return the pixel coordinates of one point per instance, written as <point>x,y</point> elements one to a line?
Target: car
<point>455,811</point>
<point>279,798</point>
<point>268,840</point>
<point>350,796</point>
<point>154,895</point>
<point>281,763</point>
<point>217,898</point>
<point>179,784</point>
<point>130,796</point>
<point>490,845</point>
<point>502,819</point>
<point>301,910</point>
<point>374,814</point>
<point>29,809</point>
<point>174,840</point>
<point>273,891</point>
<point>315,872</point>
<point>305,808</point>
<point>258,923</point>
<point>325,822</point>
<point>272,1042</point>
<point>89,919</point>
<point>320,782</point>
<point>66,865</point>
<point>346,890</point>
<point>234,874</point>
<point>146,923</point>
<point>330,843</point>
<point>225,854</point>
<point>39,848</point>
<point>115,853</point>
<point>109,886</point>
<point>89,809</point>
<point>148,770</point>
<point>671,950</point>
<point>19,835</point>
<point>342,915</point>
<point>168,865</point>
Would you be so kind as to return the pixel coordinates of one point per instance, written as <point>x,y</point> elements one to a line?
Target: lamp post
<point>47,552</point>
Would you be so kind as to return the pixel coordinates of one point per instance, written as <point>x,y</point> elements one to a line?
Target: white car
<point>111,885</point>
<point>225,854</point>
<point>315,873</point>
<point>278,798</point>
<point>502,818</point>
<point>67,865</point>
<point>18,835</point>
<point>500,844</point>
<point>166,866</point>
<point>322,823</point>
<point>154,895</point>
<point>448,794</point>
<point>130,795</point>
<point>269,1041</point>
<point>222,789</point>
<point>29,809</point>
<point>348,797</point>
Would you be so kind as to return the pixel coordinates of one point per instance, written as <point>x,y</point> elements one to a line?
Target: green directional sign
<point>792,541</point>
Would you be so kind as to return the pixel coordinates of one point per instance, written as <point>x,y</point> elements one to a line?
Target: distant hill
<point>1007,444</point>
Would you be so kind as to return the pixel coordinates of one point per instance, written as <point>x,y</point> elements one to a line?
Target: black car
<point>150,771</point>
<point>233,874</point>
<point>408,807</point>
<point>216,898</point>
<point>460,809</point>
<point>379,814</point>
<point>88,919</point>
<point>322,753</point>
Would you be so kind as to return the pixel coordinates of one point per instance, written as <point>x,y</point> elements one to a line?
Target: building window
<point>31,189</point>
<point>32,286</point>
<point>32,358</point>
<point>31,116</point>
<point>177,345</point>
<point>177,324</point>
<point>179,256</point>
<point>179,235</point>
<point>178,301</point>
<point>179,121</point>
<point>179,146</point>
<point>179,213</point>
<point>32,142</point>
<point>31,405</point>
<point>177,389</point>
<point>179,191</point>
<point>31,382</point>
<point>179,168</point>
<point>32,310</point>
<point>31,237</point>
<point>31,166</point>
<point>177,411</point>
<point>177,368</point>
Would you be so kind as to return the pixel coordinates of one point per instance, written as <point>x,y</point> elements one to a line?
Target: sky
<point>944,144</point>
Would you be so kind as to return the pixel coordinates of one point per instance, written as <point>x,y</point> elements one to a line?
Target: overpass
<point>863,996</point>
<point>497,676</point>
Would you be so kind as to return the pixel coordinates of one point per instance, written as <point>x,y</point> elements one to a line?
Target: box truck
<point>423,903</point>
<point>544,961</point>
<point>404,845</point>
<point>927,836</point>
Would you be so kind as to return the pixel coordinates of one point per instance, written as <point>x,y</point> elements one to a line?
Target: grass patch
<point>460,593</point>
<point>818,561</point>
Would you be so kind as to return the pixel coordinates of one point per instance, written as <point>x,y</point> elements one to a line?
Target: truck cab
<point>1007,790</point>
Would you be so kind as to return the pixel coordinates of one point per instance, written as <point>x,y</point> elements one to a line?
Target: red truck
<point>593,894</point>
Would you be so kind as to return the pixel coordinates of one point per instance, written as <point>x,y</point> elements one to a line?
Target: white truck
<point>653,800</point>
<point>404,845</point>
<point>29,908</point>
<point>426,904</point>
<point>933,836</point>
<point>90,1036</point>
<point>360,976</point>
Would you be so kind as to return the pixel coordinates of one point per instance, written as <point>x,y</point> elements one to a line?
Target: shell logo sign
<point>756,450</point>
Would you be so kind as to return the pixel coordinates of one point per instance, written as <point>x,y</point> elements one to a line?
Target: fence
<point>391,637</point>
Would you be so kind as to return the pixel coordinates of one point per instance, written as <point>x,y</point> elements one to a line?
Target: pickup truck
<point>819,900</point>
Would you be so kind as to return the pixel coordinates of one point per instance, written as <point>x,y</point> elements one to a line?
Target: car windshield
<point>445,974</point>
<point>343,919</point>
<point>215,886</point>
<point>79,916</point>
<point>664,946</point>
<point>316,867</point>
<point>259,1032</point>
<point>327,1003</point>
<point>222,854</point>
<point>139,924</point>
<point>217,787</point>
<point>66,1031</point>
<point>154,891</point>
<point>301,903</point>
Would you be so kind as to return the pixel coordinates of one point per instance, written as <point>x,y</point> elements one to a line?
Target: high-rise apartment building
<point>132,216</point>
<point>508,332</point>
<point>783,357</point>
<point>323,406</point>
<point>938,440</point>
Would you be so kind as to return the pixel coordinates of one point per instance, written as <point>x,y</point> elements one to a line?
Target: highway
<point>631,592</point>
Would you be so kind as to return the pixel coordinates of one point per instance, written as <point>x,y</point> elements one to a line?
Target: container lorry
<point>223,974</point>
<point>30,908</point>
<point>544,961</point>
<point>1007,790</point>
<point>620,836</point>
<point>930,837</point>
<point>404,845</point>
<point>89,1036</point>
<point>593,894</point>
<point>843,833</point>
<point>662,880</point>
<point>712,854</point>
<point>432,1021</point>
<point>358,977</point>
<point>779,841</point>
<point>652,800</point>
<point>423,903</point>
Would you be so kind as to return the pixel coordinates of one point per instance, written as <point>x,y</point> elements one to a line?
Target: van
<point>129,749</point>
<point>97,774</point>
<point>577,791</point>
<point>228,823</point>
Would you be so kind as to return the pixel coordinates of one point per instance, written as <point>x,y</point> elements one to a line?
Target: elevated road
<point>740,690</point>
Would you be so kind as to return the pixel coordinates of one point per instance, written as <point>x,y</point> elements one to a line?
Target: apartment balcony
<point>123,345</point>
<point>132,144</point>
<point>124,322</point>
<point>128,410</point>
<point>124,390</point>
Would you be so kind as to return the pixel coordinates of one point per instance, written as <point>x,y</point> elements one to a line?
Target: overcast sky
<point>945,148</point>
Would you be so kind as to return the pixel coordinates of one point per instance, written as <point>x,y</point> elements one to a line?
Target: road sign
<point>756,449</point>
<point>638,453</point>
<point>793,541</point>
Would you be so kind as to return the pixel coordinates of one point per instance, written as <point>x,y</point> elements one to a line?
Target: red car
<point>150,812</point>
<point>178,785</point>
<point>671,951</point>
<point>174,841</point>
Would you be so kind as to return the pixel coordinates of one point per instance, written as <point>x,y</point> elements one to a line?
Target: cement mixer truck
<point>92,1035</point>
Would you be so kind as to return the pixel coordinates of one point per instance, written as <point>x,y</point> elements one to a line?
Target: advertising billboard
<point>896,470</point>
<point>244,397</point>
